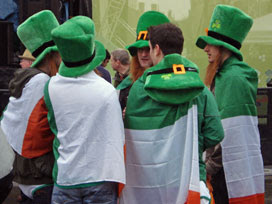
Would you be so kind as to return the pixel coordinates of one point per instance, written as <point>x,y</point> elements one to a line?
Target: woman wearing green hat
<point>139,51</point>
<point>234,84</point>
<point>25,121</point>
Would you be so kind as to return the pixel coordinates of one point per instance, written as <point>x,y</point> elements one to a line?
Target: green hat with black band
<point>228,28</point>
<point>174,80</point>
<point>149,18</point>
<point>79,50</point>
<point>35,34</point>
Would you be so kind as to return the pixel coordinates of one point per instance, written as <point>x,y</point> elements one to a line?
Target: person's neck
<point>123,69</point>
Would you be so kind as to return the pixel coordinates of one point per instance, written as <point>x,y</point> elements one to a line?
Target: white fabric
<point>90,130</point>
<point>204,193</point>
<point>28,189</point>
<point>15,119</point>
<point>162,164</point>
<point>241,154</point>
<point>6,156</point>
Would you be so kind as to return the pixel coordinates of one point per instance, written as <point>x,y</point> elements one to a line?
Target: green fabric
<point>171,88</point>
<point>36,31</point>
<point>75,40</point>
<point>228,21</point>
<point>85,185</point>
<point>125,83</point>
<point>144,113</point>
<point>149,18</point>
<point>53,127</point>
<point>236,88</point>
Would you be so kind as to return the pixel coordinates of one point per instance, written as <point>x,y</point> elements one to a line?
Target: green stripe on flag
<point>53,126</point>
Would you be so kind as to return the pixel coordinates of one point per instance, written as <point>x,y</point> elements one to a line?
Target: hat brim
<point>40,57</point>
<point>100,54</point>
<point>27,58</point>
<point>202,41</point>
<point>138,44</point>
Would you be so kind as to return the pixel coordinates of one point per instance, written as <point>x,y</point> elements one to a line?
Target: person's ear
<point>157,50</point>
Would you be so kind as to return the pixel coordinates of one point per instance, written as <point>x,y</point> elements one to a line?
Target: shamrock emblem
<point>166,76</point>
<point>216,24</point>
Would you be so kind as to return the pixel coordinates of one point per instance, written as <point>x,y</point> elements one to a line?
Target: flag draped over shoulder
<point>25,121</point>
<point>235,91</point>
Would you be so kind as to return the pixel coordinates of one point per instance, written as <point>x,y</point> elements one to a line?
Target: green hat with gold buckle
<point>35,34</point>
<point>149,18</point>
<point>79,50</point>
<point>229,27</point>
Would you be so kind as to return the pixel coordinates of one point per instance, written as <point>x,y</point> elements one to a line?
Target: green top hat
<point>149,18</point>
<point>229,27</point>
<point>79,51</point>
<point>35,34</point>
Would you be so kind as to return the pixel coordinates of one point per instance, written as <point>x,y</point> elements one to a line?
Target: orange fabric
<point>209,185</point>
<point>253,199</point>
<point>121,185</point>
<point>38,139</point>
<point>193,198</point>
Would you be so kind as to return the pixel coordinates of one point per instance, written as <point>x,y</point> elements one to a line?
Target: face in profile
<point>114,63</point>
<point>144,57</point>
<point>212,52</point>
<point>25,63</point>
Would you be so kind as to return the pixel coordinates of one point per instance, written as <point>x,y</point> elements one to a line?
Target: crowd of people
<point>158,135</point>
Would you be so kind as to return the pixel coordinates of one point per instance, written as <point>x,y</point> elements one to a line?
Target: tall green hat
<point>79,50</point>
<point>35,34</point>
<point>229,27</point>
<point>149,18</point>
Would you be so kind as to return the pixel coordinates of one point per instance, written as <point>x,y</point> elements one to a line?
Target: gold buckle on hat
<point>178,69</point>
<point>142,35</point>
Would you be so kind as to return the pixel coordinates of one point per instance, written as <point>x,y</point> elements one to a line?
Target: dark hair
<point>168,36</point>
<point>107,55</point>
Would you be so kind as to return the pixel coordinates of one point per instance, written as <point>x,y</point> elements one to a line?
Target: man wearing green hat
<point>88,145</point>
<point>171,118</point>
<point>139,51</point>
<point>234,84</point>
<point>25,121</point>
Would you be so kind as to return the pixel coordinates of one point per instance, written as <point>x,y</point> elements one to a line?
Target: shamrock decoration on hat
<point>229,27</point>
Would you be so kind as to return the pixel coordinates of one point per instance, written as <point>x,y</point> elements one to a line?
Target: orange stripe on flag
<point>38,139</point>
<point>253,199</point>
<point>193,198</point>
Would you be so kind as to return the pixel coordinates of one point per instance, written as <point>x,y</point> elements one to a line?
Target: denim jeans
<point>105,193</point>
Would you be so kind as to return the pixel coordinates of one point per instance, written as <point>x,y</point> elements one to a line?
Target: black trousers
<point>5,186</point>
<point>220,192</point>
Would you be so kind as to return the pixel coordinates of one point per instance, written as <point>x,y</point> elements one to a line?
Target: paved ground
<point>268,188</point>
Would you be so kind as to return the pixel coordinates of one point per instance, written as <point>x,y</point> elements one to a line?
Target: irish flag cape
<point>85,115</point>
<point>162,158</point>
<point>25,121</point>
<point>235,91</point>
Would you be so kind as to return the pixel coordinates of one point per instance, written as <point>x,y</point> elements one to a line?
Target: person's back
<point>85,116</point>
<point>170,120</point>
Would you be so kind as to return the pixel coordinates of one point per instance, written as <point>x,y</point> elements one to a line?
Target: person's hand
<point>124,113</point>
